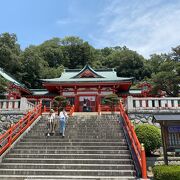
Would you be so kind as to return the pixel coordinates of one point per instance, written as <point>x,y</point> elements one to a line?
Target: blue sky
<point>147,26</point>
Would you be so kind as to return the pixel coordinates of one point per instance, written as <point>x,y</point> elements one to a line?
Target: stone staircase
<point>93,148</point>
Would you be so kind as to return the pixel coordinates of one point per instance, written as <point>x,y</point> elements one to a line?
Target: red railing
<point>107,108</point>
<point>137,147</point>
<point>17,129</point>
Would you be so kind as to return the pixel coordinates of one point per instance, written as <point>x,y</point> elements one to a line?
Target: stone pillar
<point>144,103</point>
<point>169,103</point>
<point>10,105</point>
<point>176,103</point>
<point>129,103</point>
<point>137,103</point>
<point>156,103</point>
<point>150,103</point>
<point>163,102</point>
<point>16,104</point>
<point>4,105</point>
<point>23,104</point>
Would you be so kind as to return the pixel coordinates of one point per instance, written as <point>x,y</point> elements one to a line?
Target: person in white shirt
<point>63,117</point>
<point>51,123</point>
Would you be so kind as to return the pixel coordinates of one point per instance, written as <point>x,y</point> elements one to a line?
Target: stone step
<point>56,138</point>
<point>83,131</point>
<point>85,123</point>
<point>83,126</point>
<point>39,177</point>
<point>70,156</point>
<point>66,172</point>
<point>71,136</point>
<point>43,151</point>
<point>72,147</point>
<point>82,135</point>
<point>107,124</point>
<point>84,120</point>
<point>67,166</point>
<point>72,143</point>
<point>67,161</point>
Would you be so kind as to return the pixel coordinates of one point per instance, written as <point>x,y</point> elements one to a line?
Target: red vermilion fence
<point>137,147</point>
<point>17,129</point>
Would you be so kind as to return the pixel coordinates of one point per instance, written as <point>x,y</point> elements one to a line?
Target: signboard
<point>68,93</point>
<point>174,129</point>
<point>90,98</point>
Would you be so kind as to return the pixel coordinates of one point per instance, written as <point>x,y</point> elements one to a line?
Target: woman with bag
<point>63,117</point>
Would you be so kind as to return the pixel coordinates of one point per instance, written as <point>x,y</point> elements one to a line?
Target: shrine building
<point>81,87</point>
<point>87,86</point>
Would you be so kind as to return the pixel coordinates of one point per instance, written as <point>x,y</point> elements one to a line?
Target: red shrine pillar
<point>98,98</point>
<point>113,89</point>
<point>60,91</point>
<point>75,99</point>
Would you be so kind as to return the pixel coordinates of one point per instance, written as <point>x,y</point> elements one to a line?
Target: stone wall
<point>7,119</point>
<point>137,119</point>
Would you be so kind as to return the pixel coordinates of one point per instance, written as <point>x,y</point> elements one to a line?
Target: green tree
<point>128,63</point>
<point>33,67</point>
<point>150,136</point>
<point>52,53</point>
<point>60,102</point>
<point>77,52</point>
<point>155,62</point>
<point>112,100</point>
<point>168,78</point>
<point>176,53</point>
<point>3,85</point>
<point>9,53</point>
<point>50,72</point>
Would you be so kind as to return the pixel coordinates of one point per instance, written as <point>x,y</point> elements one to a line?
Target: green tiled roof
<point>8,77</point>
<point>69,76</point>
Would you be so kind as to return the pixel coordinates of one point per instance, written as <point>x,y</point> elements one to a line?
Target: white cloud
<point>147,27</point>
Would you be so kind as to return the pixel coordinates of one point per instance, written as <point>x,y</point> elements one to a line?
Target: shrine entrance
<point>87,103</point>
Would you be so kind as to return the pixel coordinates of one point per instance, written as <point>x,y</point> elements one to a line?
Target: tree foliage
<point>3,85</point>
<point>10,53</point>
<point>165,74</point>
<point>150,136</point>
<point>176,53</point>
<point>128,63</point>
<point>112,100</point>
<point>60,102</point>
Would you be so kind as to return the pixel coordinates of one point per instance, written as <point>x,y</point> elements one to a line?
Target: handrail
<point>17,129</point>
<point>137,147</point>
<point>107,108</point>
